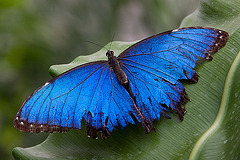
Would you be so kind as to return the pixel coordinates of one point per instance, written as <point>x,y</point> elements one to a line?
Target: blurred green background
<point>37,34</point>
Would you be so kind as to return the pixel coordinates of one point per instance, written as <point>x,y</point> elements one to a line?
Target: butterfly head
<point>110,54</point>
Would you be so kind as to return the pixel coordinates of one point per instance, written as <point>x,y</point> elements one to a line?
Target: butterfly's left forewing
<point>89,92</point>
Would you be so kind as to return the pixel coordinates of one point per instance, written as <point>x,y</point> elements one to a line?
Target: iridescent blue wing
<point>89,92</point>
<point>155,65</point>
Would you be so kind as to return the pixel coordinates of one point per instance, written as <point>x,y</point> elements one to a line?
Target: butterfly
<point>139,85</point>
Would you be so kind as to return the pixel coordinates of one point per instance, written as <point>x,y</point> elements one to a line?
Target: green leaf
<point>211,125</point>
<point>117,46</point>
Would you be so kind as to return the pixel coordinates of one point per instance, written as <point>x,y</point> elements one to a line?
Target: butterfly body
<point>139,85</point>
<point>115,65</point>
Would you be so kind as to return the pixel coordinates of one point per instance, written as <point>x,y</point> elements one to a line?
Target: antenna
<point>112,41</point>
<point>97,44</point>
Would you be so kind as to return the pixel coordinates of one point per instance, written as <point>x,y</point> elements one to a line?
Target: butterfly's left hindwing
<point>89,92</point>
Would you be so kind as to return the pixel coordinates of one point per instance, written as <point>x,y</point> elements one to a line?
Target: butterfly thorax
<point>116,67</point>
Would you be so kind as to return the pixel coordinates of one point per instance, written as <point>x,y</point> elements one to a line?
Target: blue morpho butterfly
<point>137,86</point>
